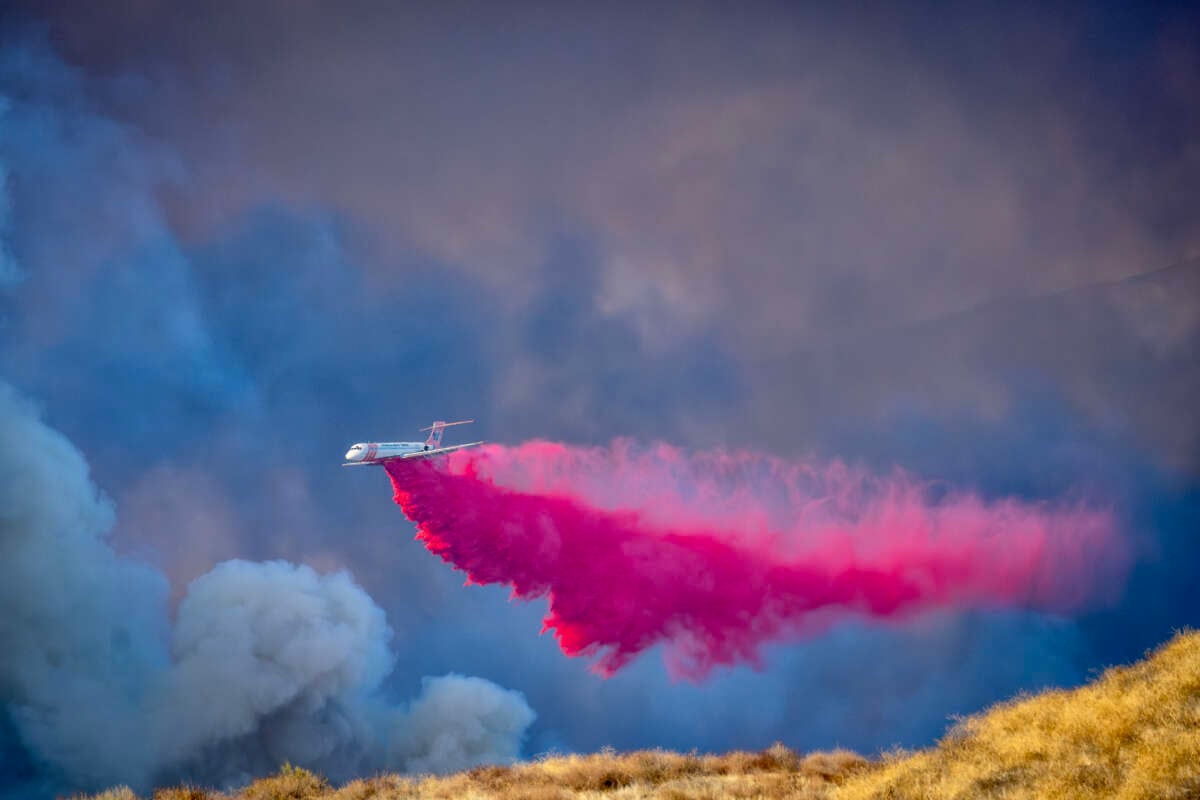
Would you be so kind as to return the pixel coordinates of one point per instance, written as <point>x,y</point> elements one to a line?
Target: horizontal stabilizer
<point>446,424</point>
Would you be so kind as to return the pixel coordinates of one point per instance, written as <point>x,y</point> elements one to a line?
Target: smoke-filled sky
<point>958,241</point>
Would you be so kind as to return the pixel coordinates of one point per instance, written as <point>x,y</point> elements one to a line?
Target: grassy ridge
<point>1132,733</point>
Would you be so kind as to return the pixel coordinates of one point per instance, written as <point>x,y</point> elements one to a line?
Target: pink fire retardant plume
<point>715,554</point>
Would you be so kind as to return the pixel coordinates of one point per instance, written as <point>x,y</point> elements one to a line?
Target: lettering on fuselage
<point>382,450</point>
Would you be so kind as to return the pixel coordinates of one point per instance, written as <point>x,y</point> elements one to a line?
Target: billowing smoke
<point>715,554</point>
<point>458,722</point>
<point>265,663</point>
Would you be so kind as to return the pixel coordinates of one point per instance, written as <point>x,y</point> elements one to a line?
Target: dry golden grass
<point>184,793</point>
<point>1133,733</point>
<point>776,772</point>
<point>116,793</point>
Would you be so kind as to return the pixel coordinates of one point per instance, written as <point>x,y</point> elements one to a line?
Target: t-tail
<point>435,432</point>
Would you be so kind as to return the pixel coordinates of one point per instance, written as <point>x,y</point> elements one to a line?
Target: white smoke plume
<point>457,722</point>
<point>266,662</point>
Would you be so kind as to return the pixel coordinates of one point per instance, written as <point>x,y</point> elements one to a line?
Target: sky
<point>235,238</point>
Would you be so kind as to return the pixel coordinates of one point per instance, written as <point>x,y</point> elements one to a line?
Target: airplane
<point>365,453</point>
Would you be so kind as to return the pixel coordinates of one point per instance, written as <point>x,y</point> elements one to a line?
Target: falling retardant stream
<point>715,554</point>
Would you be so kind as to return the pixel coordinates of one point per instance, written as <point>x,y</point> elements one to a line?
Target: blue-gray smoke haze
<point>229,246</point>
<point>264,663</point>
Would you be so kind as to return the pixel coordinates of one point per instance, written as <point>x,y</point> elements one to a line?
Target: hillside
<point>1132,733</point>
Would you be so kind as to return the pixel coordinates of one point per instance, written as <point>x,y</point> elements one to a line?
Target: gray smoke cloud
<point>458,722</point>
<point>265,662</point>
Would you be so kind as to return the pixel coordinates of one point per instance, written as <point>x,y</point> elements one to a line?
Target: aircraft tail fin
<point>437,429</point>
<point>435,435</point>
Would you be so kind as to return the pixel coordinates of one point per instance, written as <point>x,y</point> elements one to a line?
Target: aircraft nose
<point>354,453</point>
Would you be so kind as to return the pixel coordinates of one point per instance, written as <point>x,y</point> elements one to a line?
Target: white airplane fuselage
<point>383,452</point>
<point>369,452</point>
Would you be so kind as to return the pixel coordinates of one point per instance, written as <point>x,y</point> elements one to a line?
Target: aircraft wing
<point>436,452</point>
